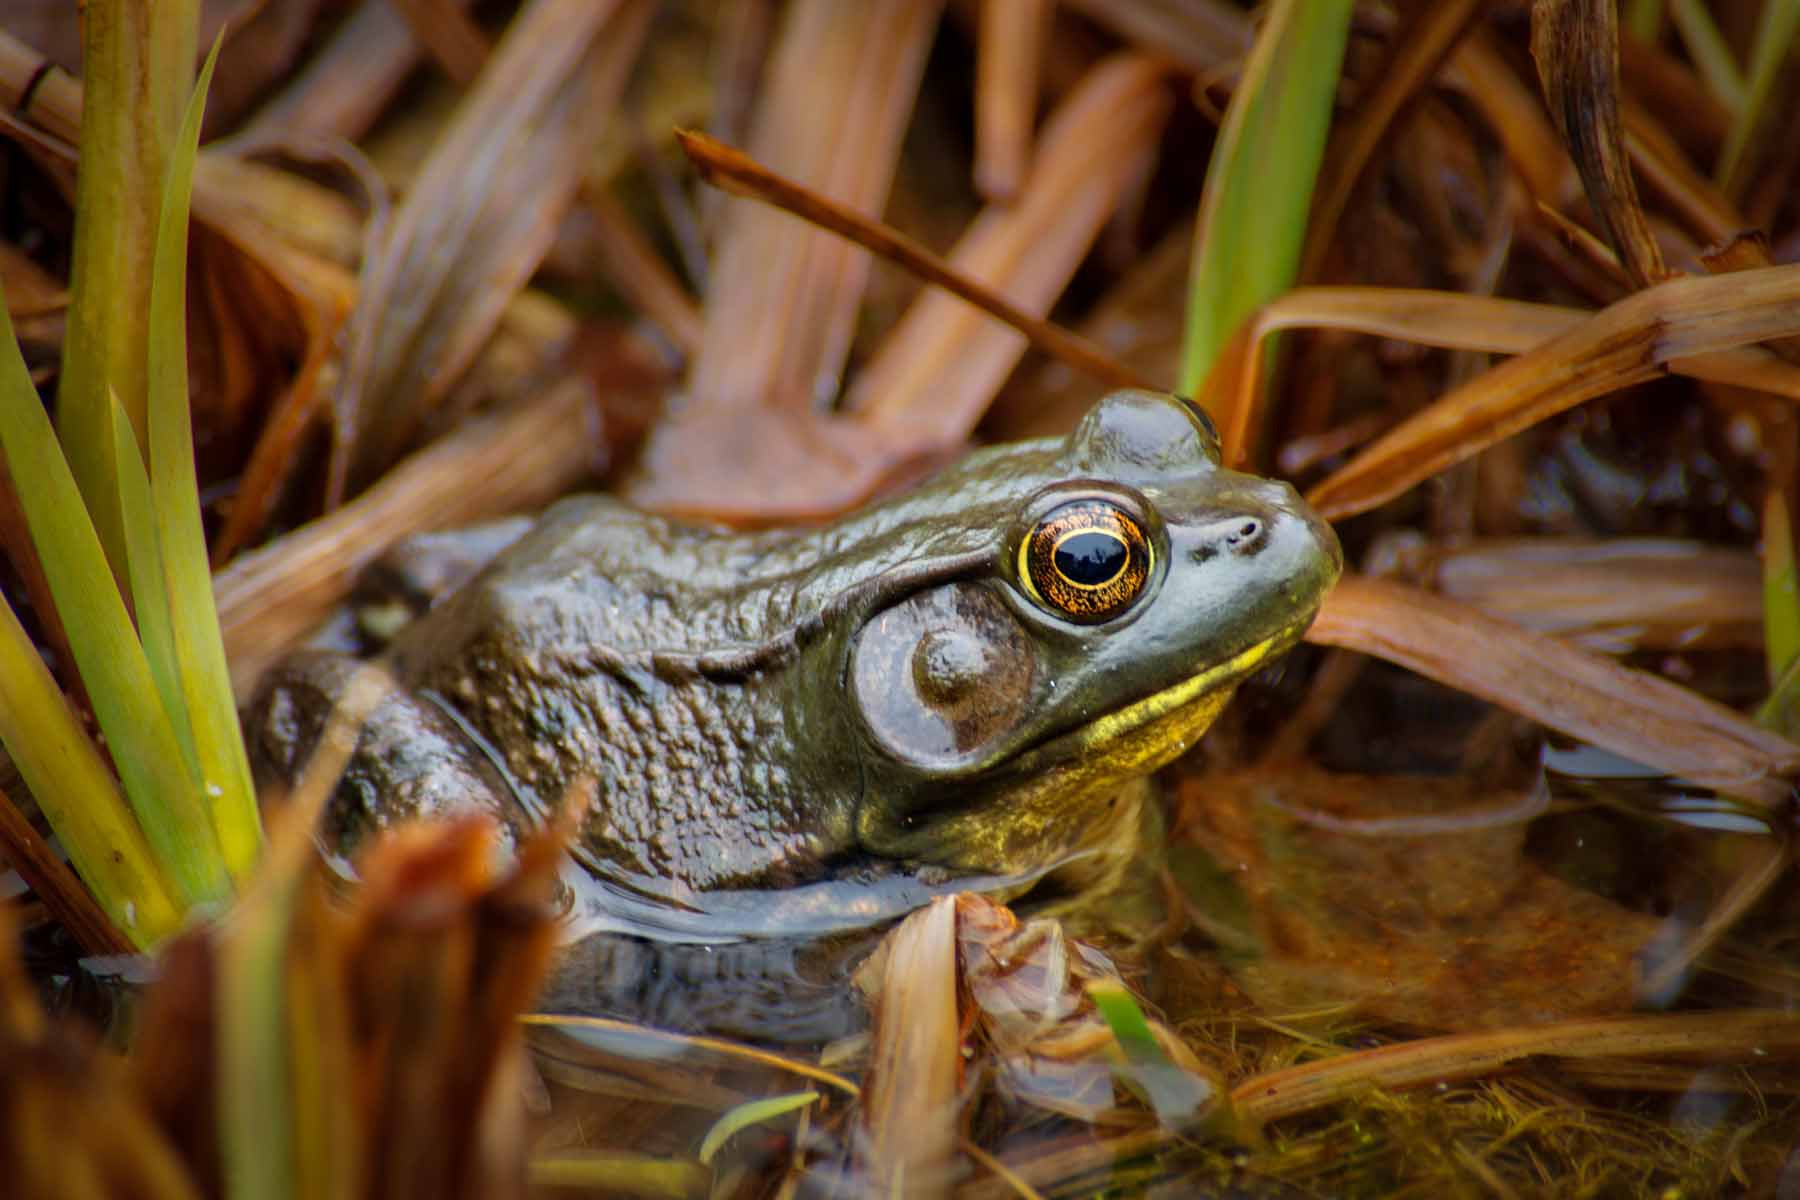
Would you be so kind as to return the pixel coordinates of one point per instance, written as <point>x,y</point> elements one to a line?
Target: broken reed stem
<point>452,38</point>
<point>1008,56</point>
<point>51,880</point>
<point>694,1041</point>
<point>1765,864</point>
<point>1452,1059</point>
<point>524,458</point>
<point>733,171</point>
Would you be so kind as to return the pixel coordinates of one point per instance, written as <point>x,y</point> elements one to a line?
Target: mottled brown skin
<point>753,710</point>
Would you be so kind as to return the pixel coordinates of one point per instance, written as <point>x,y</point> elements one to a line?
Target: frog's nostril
<point>1247,536</point>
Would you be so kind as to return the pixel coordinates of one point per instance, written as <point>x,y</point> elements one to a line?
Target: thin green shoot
<point>1259,185</point>
<point>1772,48</point>
<point>1644,18</point>
<point>1180,1098</point>
<point>206,699</point>
<point>1712,56</point>
<point>1781,618</point>
<point>751,1112</point>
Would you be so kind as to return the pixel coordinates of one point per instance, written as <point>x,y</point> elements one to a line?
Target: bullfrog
<point>950,684</point>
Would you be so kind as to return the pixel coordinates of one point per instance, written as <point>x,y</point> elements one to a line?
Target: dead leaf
<point>784,295</point>
<point>1006,89</point>
<point>939,368</point>
<point>1613,596</point>
<point>1576,45</point>
<point>1635,340</point>
<point>1635,714</point>
<point>911,1096</point>
<point>466,238</point>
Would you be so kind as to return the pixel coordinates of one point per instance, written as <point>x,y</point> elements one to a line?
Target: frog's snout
<point>1311,535</point>
<point>1244,534</point>
<point>1246,537</point>
<point>1324,537</point>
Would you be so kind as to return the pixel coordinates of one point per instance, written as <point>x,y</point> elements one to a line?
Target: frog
<point>953,683</point>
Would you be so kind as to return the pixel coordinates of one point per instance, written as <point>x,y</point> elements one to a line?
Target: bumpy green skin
<point>693,686</point>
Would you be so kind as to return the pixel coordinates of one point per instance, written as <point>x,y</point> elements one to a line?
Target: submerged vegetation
<point>1488,890</point>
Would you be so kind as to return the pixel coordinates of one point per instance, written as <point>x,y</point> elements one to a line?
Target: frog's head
<point>1133,583</point>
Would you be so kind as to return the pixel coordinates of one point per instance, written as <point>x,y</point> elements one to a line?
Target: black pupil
<point>1091,558</point>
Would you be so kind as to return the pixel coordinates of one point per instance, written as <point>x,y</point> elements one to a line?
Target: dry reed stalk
<point>839,86</point>
<point>523,458</point>
<point>1641,716</point>
<point>939,368</point>
<point>1717,1035</point>
<point>1006,90</point>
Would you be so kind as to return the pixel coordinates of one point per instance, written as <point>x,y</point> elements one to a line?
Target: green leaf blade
<point>255,1072</point>
<point>71,783</point>
<point>620,1173</point>
<point>144,569</point>
<point>1781,588</point>
<point>102,639</point>
<point>191,614</point>
<point>1259,184</point>
<point>136,61</point>
<point>1179,1097</point>
<point>1710,53</point>
<point>751,1112</point>
<point>1776,31</point>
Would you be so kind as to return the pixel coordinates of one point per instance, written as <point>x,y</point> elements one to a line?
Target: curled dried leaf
<point>1576,45</point>
<point>1721,1035</point>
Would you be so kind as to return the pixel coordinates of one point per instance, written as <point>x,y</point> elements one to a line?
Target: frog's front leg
<point>412,759</point>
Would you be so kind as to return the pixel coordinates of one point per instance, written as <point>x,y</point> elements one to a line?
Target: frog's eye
<point>1086,561</point>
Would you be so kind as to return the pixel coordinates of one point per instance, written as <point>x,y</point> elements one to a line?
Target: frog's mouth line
<point>1105,730</point>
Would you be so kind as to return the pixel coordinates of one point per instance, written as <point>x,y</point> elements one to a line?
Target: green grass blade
<point>1644,19</point>
<point>1259,184</point>
<point>1126,1020</point>
<point>1707,47</point>
<point>1781,619</point>
<point>255,1073</point>
<point>193,618</point>
<point>1179,1097</point>
<point>79,796</point>
<point>1774,42</point>
<point>1781,588</point>
<point>619,1173</point>
<point>144,562</point>
<point>102,640</point>
<point>751,1112</point>
<point>136,62</point>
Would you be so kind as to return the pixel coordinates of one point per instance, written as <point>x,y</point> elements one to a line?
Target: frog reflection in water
<point>954,682</point>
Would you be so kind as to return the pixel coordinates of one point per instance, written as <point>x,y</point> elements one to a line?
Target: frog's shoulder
<point>594,575</point>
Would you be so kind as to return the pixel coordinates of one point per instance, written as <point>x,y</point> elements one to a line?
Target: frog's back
<point>594,573</point>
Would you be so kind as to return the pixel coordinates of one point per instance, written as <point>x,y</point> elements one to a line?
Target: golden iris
<point>1087,560</point>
